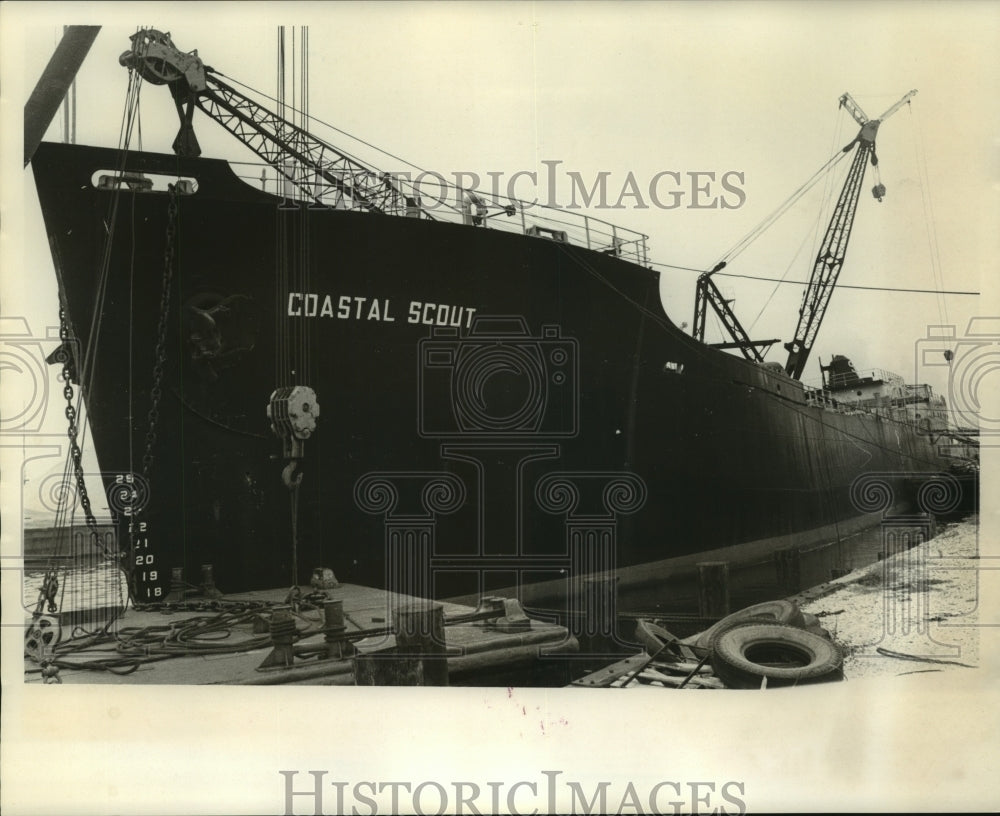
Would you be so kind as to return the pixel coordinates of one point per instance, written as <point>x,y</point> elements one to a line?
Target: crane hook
<point>288,475</point>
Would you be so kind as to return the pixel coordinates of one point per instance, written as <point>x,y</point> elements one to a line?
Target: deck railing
<point>847,379</point>
<point>436,199</point>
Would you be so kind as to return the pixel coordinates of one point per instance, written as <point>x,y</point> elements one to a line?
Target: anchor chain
<point>156,392</point>
<point>50,583</point>
<point>159,367</point>
<point>73,431</point>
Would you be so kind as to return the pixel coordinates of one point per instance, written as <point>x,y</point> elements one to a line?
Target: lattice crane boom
<point>853,108</point>
<point>830,259</point>
<point>315,167</point>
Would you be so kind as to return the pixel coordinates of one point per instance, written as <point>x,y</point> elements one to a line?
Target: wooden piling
<point>788,570</point>
<point>419,657</point>
<point>713,589</point>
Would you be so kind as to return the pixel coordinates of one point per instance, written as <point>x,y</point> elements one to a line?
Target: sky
<point>746,93</point>
<point>749,88</point>
<point>717,88</point>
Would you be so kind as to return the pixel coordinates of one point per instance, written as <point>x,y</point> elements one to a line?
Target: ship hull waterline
<point>496,410</point>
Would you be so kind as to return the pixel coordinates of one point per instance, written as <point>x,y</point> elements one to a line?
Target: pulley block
<point>43,633</point>
<point>293,411</point>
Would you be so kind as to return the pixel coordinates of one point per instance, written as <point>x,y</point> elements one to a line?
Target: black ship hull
<point>498,409</point>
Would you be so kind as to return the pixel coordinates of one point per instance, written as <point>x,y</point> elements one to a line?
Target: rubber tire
<point>734,652</point>
<point>652,636</point>
<point>778,611</point>
<point>708,638</point>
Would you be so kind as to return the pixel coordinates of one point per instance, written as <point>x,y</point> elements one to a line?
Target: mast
<point>51,88</point>
<point>708,294</point>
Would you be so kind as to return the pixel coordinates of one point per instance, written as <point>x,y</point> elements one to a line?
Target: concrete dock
<point>259,639</point>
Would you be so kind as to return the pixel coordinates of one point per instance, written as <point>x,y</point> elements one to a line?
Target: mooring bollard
<point>177,591</point>
<point>510,616</point>
<point>419,657</point>
<point>208,588</point>
<point>283,633</point>
<point>333,623</point>
<point>713,589</point>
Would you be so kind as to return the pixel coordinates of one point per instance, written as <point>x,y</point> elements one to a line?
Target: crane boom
<point>898,105</point>
<point>708,294</point>
<point>830,259</point>
<point>853,108</point>
<point>828,264</point>
<point>315,167</point>
<point>312,165</point>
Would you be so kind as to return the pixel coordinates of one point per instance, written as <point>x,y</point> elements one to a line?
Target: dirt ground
<point>914,611</point>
